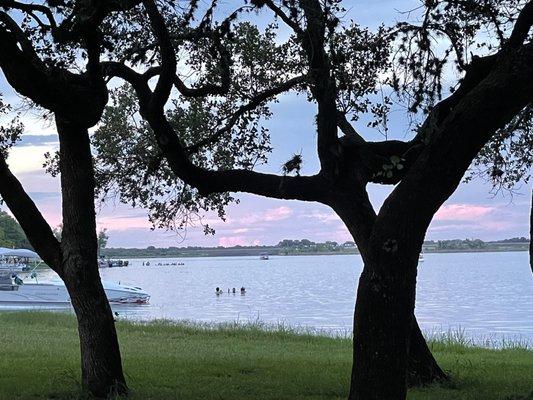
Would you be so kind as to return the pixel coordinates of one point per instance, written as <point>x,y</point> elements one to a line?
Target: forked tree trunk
<point>102,374</point>
<point>390,352</point>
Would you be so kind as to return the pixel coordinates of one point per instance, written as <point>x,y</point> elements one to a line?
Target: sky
<point>471,212</point>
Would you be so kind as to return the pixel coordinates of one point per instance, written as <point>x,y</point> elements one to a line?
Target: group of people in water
<point>219,291</point>
<point>147,264</point>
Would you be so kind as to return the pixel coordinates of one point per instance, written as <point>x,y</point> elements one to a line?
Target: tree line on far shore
<point>305,246</point>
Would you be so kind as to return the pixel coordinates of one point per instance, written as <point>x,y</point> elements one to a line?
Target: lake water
<point>488,295</point>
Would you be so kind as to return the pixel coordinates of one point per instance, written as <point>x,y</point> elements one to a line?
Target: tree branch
<point>55,89</point>
<point>323,85</point>
<point>494,101</point>
<point>308,188</point>
<point>165,43</point>
<point>139,82</point>
<point>348,129</point>
<point>208,89</point>
<point>167,74</point>
<point>254,102</point>
<point>476,71</point>
<point>18,66</point>
<point>21,38</point>
<point>522,26</point>
<point>30,219</point>
<point>372,160</point>
<point>87,15</point>
<point>284,17</point>
<point>30,9</point>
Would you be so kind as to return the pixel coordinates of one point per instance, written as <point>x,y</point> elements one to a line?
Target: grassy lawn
<point>166,361</point>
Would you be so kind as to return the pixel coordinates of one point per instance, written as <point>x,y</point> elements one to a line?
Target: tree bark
<point>422,368</point>
<point>390,352</point>
<point>382,327</point>
<point>531,234</point>
<point>102,374</point>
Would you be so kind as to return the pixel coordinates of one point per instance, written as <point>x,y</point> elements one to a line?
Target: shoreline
<point>255,253</point>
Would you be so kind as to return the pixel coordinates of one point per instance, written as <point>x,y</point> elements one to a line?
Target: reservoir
<point>486,296</point>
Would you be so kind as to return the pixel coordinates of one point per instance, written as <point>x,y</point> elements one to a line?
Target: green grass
<point>163,360</point>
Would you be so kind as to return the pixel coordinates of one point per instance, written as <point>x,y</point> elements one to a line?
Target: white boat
<point>103,263</point>
<point>16,259</point>
<point>29,291</point>
<point>263,256</point>
<point>421,257</point>
<point>17,292</point>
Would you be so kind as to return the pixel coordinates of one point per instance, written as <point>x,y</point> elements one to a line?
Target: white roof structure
<point>24,253</point>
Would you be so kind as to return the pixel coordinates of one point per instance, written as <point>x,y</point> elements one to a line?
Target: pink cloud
<point>462,212</point>
<point>277,214</point>
<point>323,217</point>
<point>270,215</point>
<point>124,223</point>
<point>229,241</point>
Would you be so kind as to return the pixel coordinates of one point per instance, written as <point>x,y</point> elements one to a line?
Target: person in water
<point>218,291</point>
<point>233,290</point>
<point>243,290</point>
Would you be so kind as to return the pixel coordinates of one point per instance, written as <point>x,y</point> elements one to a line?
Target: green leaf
<point>395,159</point>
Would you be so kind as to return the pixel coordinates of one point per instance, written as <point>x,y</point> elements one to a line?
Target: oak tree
<point>50,54</point>
<point>196,134</point>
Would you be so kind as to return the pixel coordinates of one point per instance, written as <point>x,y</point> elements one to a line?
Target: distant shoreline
<point>246,252</point>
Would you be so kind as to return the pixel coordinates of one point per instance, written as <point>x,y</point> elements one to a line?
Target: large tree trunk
<point>382,329</point>
<point>102,374</point>
<point>390,352</point>
<point>101,366</point>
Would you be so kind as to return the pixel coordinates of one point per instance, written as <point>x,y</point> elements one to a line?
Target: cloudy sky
<point>472,212</point>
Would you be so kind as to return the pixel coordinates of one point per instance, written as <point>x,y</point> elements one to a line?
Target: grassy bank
<point>165,361</point>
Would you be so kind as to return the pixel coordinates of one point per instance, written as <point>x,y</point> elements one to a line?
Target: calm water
<point>484,294</point>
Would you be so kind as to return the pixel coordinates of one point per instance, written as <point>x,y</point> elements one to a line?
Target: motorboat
<point>17,291</point>
<point>421,257</point>
<point>103,263</point>
<point>17,259</point>
<point>263,256</point>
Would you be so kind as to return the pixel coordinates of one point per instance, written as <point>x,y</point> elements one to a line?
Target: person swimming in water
<point>243,290</point>
<point>218,291</point>
<point>233,291</point>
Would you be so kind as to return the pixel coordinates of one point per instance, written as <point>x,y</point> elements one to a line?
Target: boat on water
<point>421,257</point>
<point>24,288</point>
<point>103,263</point>
<point>17,291</point>
<point>264,256</point>
<point>17,259</point>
